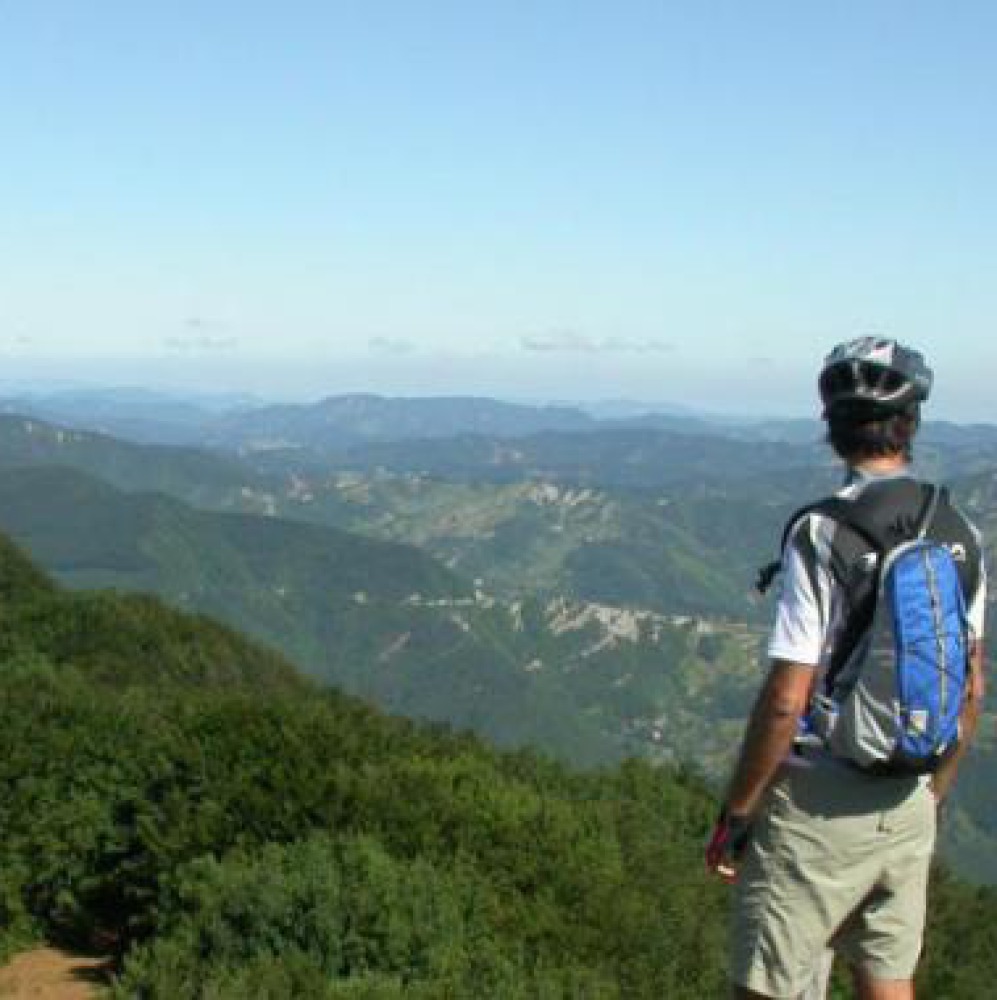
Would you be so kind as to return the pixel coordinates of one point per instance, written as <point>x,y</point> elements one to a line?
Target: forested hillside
<point>174,793</point>
<point>199,476</point>
<point>587,682</point>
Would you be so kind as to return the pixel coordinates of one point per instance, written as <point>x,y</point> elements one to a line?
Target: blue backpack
<point>892,700</point>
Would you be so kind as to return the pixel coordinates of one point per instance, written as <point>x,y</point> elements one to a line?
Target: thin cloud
<point>390,345</point>
<point>202,335</point>
<point>570,341</point>
<point>627,345</point>
<point>204,343</point>
<point>558,340</point>
<point>16,342</point>
<point>196,322</point>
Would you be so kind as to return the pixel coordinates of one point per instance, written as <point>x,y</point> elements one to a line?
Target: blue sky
<point>670,201</point>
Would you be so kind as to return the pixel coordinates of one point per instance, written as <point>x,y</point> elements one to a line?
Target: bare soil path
<point>51,974</point>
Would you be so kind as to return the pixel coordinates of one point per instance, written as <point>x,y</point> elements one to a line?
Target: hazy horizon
<point>261,390</point>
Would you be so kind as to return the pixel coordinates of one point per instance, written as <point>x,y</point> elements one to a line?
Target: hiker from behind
<point>872,696</point>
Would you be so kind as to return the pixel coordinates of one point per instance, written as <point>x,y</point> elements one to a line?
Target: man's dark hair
<point>857,434</point>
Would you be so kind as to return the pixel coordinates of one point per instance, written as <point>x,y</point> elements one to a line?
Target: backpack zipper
<point>939,631</point>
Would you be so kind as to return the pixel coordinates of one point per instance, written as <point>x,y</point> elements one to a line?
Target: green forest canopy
<point>178,794</point>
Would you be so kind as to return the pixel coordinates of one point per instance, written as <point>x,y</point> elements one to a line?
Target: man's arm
<point>769,737</point>
<point>797,639</point>
<point>943,778</point>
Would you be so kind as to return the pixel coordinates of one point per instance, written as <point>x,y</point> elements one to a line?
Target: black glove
<point>727,845</point>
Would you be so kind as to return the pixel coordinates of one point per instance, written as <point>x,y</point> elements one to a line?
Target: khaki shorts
<point>837,859</point>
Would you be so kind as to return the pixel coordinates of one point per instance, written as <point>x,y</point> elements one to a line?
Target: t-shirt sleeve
<point>976,612</point>
<point>800,619</point>
<point>976,603</point>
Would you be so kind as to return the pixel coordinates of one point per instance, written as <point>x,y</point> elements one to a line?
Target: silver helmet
<point>873,374</point>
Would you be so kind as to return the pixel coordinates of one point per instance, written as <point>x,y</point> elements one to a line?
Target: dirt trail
<point>50,974</point>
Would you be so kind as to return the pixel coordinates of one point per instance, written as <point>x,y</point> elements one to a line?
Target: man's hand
<point>727,845</point>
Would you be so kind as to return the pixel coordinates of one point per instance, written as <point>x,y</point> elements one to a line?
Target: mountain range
<point>591,601</point>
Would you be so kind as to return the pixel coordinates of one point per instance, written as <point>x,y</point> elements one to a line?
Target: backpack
<point>895,687</point>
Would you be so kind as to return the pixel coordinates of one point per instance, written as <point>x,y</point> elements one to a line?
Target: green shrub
<point>344,905</point>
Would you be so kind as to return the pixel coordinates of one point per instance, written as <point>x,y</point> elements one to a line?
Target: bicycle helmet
<point>874,375</point>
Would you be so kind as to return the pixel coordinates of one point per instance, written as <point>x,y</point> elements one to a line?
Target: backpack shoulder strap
<point>768,572</point>
<point>952,528</point>
<point>838,509</point>
<point>885,525</point>
<point>882,526</point>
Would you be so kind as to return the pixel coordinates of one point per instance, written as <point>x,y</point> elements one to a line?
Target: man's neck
<point>882,465</point>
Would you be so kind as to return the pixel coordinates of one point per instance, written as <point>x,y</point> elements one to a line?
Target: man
<point>826,854</point>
